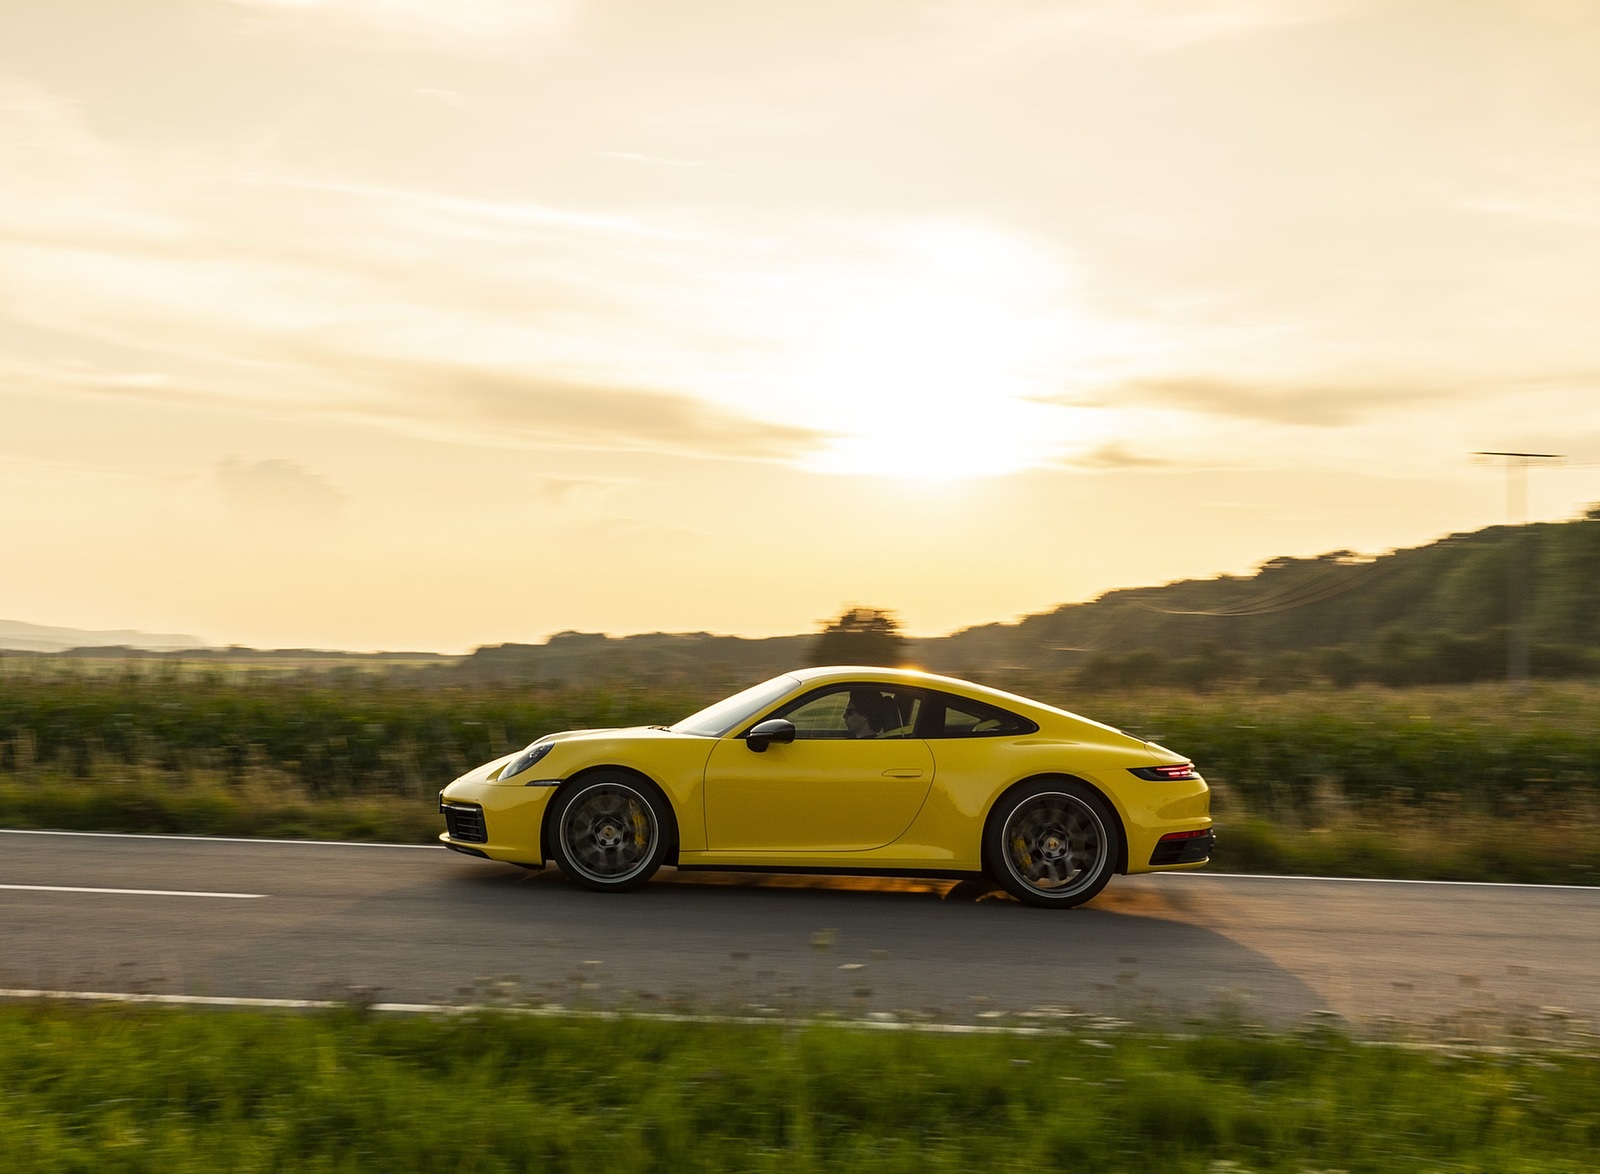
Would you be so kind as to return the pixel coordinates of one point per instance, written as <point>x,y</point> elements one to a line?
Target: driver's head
<point>869,712</point>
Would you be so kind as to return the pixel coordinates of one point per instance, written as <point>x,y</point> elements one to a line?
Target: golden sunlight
<point>931,369</point>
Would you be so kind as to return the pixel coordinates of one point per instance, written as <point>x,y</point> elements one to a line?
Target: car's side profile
<point>854,770</point>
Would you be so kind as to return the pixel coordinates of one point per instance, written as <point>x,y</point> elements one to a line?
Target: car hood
<point>614,734</point>
<point>606,736</point>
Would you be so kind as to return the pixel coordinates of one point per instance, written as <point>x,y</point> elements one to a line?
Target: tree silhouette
<point>862,635</point>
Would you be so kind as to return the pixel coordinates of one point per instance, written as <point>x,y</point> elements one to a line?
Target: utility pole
<point>1518,562</point>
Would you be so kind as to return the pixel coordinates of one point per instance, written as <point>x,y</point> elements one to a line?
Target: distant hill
<point>1437,613</point>
<point>19,637</point>
<point>1440,612</point>
<point>647,659</point>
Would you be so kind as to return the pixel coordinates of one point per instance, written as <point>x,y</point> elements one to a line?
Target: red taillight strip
<point>1195,835</point>
<point>1170,772</point>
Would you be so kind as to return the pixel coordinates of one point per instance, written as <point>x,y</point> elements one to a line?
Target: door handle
<point>907,773</point>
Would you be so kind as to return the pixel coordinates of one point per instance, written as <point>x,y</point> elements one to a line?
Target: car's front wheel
<point>1052,843</point>
<point>609,831</point>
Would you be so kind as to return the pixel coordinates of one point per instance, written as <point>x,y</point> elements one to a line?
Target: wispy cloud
<point>1115,456</point>
<point>481,25</point>
<point>1151,25</point>
<point>576,492</point>
<point>1560,211</point>
<point>636,331</point>
<point>647,160</point>
<point>513,215</point>
<point>530,410</point>
<point>277,491</point>
<point>1297,404</point>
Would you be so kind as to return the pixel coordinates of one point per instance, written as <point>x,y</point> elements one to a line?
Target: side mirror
<point>764,734</point>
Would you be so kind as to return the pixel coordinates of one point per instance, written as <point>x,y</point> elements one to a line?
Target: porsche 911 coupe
<point>844,770</point>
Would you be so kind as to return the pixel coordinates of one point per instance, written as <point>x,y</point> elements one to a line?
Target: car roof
<point>877,672</point>
<point>847,672</point>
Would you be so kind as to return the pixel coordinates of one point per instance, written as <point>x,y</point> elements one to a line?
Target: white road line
<point>551,1012</point>
<point>220,839</point>
<point>132,892</point>
<point>1379,880</point>
<point>186,1000</point>
<point>1253,876</point>
<point>1098,1026</point>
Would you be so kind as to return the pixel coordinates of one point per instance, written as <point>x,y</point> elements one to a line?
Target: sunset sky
<point>410,324</point>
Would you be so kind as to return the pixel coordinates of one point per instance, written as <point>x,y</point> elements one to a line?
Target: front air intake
<point>464,821</point>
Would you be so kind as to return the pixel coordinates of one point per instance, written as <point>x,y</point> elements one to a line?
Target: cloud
<point>1150,25</point>
<point>1286,403</point>
<point>455,216</point>
<point>588,329</point>
<point>277,491</point>
<point>1560,210</point>
<point>61,180</point>
<point>648,160</point>
<point>576,492</point>
<point>430,24</point>
<point>1115,457</point>
<point>530,409</point>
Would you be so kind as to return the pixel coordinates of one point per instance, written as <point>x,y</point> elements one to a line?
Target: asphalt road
<point>421,925</point>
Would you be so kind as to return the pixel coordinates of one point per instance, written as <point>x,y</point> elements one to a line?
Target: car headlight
<point>526,759</point>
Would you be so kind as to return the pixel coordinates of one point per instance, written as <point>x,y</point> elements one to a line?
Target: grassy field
<point>1474,783</point>
<point>143,1089</point>
<point>1465,783</point>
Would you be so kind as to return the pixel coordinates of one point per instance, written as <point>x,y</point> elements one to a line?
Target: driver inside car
<point>870,714</point>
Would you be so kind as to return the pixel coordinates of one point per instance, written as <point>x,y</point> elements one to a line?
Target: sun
<point>937,369</point>
<point>958,446</point>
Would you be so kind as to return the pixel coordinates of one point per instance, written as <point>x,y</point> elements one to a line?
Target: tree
<point>862,635</point>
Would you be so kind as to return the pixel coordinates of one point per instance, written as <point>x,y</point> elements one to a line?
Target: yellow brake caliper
<point>1020,853</point>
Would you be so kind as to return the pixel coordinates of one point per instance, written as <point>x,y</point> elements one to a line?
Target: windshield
<point>716,720</point>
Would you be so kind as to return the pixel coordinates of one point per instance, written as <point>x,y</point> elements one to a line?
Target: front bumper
<point>463,822</point>
<point>494,821</point>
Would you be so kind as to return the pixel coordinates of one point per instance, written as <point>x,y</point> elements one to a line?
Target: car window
<point>855,711</point>
<point>973,719</point>
<point>716,720</point>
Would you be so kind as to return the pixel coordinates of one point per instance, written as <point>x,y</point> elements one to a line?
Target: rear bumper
<point>1183,848</point>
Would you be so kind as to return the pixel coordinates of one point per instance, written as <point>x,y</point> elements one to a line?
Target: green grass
<point>205,805</point>
<point>1274,748</point>
<point>143,1089</point>
<point>330,734</point>
<point>368,734</point>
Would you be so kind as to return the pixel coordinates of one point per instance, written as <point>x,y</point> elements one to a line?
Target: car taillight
<point>1165,774</point>
<point>1194,835</point>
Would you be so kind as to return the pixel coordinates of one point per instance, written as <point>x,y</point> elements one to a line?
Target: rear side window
<point>972,719</point>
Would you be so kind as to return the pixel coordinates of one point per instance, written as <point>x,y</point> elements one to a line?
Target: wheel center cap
<point>1053,847</point>
<point>608,836</point>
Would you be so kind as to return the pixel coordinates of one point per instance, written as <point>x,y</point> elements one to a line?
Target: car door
<point>826,791</point>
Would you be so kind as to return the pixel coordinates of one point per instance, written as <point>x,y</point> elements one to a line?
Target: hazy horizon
<point>384,324</point>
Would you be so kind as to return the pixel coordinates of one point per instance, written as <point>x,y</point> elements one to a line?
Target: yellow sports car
<point>844,770</point>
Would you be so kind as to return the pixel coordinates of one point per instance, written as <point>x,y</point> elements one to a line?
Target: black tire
<point>609,831</point>
<point>1052,843</point>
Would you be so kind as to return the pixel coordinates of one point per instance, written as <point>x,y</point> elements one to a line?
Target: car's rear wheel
<point>609,831</point>
<point>1052,843</point>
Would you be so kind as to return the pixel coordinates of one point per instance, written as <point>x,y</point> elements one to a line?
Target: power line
<point>1287,598</point>
<point>1517,566</point>
<point>1118,631</point>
